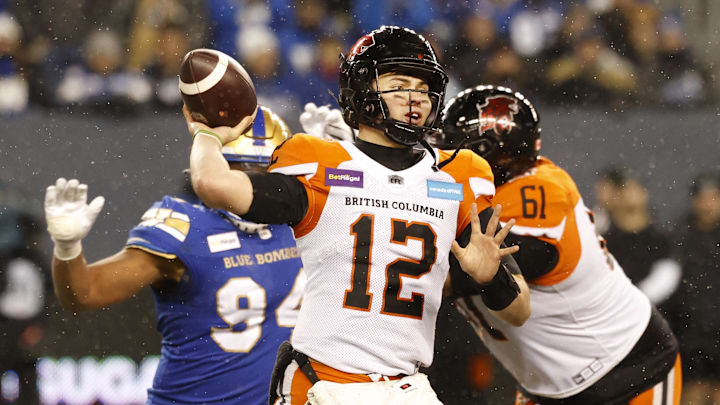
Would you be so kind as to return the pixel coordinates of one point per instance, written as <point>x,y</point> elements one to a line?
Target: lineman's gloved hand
<point>69,217</point>
<point>325,123</point>
<point>313,120</point>
<point>337,128</point>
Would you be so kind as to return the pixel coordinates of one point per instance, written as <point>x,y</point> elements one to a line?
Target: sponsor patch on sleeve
<point>445,190</point>
<point>343,178</point>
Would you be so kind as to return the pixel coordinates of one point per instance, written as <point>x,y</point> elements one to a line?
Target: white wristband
<point>67,251</point>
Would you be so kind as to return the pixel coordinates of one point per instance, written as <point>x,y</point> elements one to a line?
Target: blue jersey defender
<point>237,301</point>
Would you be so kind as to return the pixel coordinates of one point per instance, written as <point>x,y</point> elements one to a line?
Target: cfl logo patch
<point>395,180</point>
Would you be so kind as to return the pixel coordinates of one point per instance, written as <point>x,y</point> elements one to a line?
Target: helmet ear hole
<point>483,147</point>
<point>360,72</point>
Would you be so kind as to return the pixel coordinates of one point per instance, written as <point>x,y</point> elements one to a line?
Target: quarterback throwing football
<point>376,221</point>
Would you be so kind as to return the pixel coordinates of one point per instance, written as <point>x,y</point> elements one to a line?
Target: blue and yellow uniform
<point>237,301</point>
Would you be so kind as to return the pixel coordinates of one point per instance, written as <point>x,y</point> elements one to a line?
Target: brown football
<point>216,88</point>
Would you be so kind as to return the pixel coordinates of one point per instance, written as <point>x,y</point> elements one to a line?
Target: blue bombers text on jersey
<point>237,301</point>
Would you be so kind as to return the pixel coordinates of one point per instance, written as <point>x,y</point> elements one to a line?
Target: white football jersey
<point>375,245</point>
<point>586,315</point>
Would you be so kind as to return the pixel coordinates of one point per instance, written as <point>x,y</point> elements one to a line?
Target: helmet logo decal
<point>498,114</point>
<point>362,45</point>
<point>258,130</point>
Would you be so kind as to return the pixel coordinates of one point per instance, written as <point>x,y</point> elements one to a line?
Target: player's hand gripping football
<point>69,217</point>
<point>481,257</point>
<point>224,134</point>
<point>325,123</point>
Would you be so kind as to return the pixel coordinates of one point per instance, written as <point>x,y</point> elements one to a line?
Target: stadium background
<point>100,106</point>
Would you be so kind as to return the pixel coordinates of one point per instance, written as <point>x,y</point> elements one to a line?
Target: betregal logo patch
<point>343,178</point>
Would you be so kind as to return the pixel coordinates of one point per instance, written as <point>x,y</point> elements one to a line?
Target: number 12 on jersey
<point>358,296</point>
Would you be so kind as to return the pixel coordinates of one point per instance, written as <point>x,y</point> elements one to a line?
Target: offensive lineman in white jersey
<point>593,338</point>
<point>376,221</point>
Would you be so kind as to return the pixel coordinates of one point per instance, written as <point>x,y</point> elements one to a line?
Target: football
<point>216,88</point>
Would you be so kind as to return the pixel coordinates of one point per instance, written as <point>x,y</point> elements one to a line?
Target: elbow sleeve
<point>277,199</point>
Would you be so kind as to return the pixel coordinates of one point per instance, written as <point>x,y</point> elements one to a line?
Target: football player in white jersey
<point>593,337</point>
<point>375,220</point>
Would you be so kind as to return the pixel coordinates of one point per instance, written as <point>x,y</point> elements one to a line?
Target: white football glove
<point>69,217</point>
<point>325,123</point>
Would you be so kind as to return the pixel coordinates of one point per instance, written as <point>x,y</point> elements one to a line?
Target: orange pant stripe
<point>299,388</point>
<point>301,384</point>
<point>666,392</point>
<point>647,397</point>
<point>677,383</point>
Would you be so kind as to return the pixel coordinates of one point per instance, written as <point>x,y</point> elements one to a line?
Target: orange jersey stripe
<point>307,157</point>
<point>569,251</point>
<point>475,173</point>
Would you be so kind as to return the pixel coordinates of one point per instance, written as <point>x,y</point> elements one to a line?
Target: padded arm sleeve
<point>536,257</point>
<point>277,199</point>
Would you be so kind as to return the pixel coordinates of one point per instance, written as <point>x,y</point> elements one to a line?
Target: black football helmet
<point>389,49</point>
<point>498,124</point>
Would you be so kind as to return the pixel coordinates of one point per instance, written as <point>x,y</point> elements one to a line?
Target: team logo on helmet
<point>498,114</point>
<point>362,45</point>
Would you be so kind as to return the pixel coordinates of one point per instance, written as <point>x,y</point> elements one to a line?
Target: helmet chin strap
<point>457,150</point>
<point>426,145</point>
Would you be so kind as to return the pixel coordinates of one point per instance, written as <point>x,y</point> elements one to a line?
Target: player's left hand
<point>481,257</point>
<point>224,134</point>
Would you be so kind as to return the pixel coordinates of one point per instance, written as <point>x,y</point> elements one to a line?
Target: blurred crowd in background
<point>123,57</point>
<point>126,54</point>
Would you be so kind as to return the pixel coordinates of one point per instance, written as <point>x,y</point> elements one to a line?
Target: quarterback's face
<point>406,97</point>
